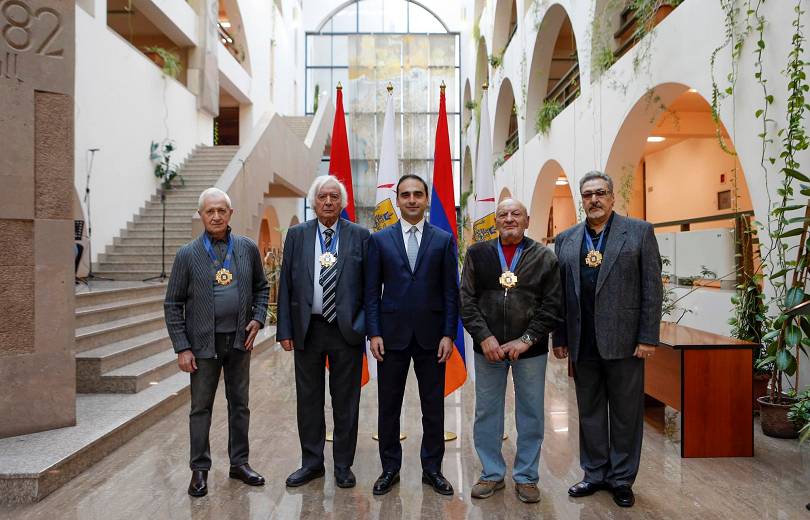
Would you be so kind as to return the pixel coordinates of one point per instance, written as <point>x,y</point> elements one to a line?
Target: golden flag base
<point>449,436</point>
<point>505,436</point>
<point>376,436</point>
<point>330,437</point>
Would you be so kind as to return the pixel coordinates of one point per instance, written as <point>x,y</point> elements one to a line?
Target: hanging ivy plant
<point>545,114</point>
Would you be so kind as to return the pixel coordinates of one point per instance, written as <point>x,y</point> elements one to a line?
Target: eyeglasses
<point>600,194</point>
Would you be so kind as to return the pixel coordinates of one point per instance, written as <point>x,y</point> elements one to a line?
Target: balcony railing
<point>567,87</point>
<point>629,32</point>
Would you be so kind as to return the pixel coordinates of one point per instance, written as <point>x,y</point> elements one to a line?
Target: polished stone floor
<point>147,477</point>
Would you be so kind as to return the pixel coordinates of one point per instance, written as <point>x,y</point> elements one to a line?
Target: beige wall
<point>565,214</point>
<point>683,181</point>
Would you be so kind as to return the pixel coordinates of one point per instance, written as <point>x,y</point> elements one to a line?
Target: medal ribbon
<point>226,264</point>
<point>333,246</point>
<point>589,241</point>
<point>515,258</point>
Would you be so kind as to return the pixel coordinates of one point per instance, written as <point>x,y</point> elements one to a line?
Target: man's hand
<point>560,352</point>
<point>644,351</point>
<point>186,361</point>
<point>514,349</point>
<point>252,329</point>
<point>445,349</point>
<point>377,348</point>
<point>492,350</point>
<point>287,344</point>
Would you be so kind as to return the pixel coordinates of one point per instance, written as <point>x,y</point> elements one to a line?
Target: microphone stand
<point>162,277</point>
<point>90,276</point>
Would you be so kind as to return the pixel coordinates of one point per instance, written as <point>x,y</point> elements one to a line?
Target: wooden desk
<point>708,378</point>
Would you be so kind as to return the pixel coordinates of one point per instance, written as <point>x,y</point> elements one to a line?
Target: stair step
<point>118,275</point>
<point>136,249</point>
<point>106,312</point>
<point>172,210</point>
<point>92,364</point>
<point>128,266</point>
<point>95,295</point>
<point>147,242</point>
<point>93,336</point>
<point>158,218</point>
<point>137,376</point>
<point>143,233</point>
<point>140,261</point>
<point>170,226</point>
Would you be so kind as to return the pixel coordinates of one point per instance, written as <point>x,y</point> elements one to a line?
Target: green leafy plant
<point>316,95</point>
<point>799,414</point>
<point>496,60</point>
<point>160,154</point>
<point>476,30</point>
<point>545,114</point>
<point>169,61</point>
<point>707,273</point>
<point>471,105</point>
<point>603,59</point>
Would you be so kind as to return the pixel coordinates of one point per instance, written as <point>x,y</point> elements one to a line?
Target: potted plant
<point>747,324</point>
<point>799,413</point>
<point>546,113</point>
<point>160,155</point>
<point>168,61</point>
<point>707,278</point>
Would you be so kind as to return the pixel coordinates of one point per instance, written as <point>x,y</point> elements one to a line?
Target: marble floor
<point>147,477</point>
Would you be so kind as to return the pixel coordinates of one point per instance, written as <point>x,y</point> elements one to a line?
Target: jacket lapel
<point>309,248</point>
<point>427,234</point>
<point>344,247</point>
<point>574,247</point>
<point>399,243</point>
<point>615,241</point>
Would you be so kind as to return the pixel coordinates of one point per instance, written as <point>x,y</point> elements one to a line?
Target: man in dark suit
<point>611,274</point>
<point>414,317</point>
<point>320,316</point>
<point>216,302</point>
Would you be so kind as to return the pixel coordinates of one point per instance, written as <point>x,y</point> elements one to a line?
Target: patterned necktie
<point>328,281</point>
<point>413,247</point>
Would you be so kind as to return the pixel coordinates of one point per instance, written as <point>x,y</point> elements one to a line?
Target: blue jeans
<point>529,377</point>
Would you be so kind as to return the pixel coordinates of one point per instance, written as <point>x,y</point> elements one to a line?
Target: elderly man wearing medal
<point>511,300</point>
<point>611,275</point>
<point>320,317</point>
<point>216,302</point>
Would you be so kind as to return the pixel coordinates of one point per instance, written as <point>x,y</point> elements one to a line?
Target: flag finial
<point>442,86</point>
<point>390,87</point>
<point>485,86</point>
<point>339,86</point>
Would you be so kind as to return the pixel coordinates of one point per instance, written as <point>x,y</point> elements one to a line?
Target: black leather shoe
<point>344,478</point>
<point>584,489</point>
<point>437,481</point>
<point>198,487</point>
<point>623,496</point>
<point>385,482</point>
<point>246,474</point>
<point>303,475</point>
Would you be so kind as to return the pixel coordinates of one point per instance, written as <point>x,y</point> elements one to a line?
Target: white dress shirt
<point>317,294</point>
<point>406,228</point>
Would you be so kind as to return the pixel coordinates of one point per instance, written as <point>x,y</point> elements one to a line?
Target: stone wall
<point>37,364</point>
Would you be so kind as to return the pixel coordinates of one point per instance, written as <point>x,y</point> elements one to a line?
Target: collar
<point>607,226</point>
<point>214,240</point>
<point>323,228</point>
<point>406,226</point>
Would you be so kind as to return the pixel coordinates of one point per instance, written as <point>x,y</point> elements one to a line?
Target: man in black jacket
<point>511,299</point>
<point>216,302</point>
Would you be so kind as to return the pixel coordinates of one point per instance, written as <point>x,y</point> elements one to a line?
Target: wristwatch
<point>528,339</point>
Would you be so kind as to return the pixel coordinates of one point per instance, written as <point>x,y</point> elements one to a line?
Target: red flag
<point>340,164</point>
<point>443,216</point>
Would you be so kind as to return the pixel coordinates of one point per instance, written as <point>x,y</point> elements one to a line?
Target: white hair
<point>212,192</point>
<point>321,181</point>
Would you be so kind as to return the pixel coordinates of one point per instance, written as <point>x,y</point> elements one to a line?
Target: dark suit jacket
<point>424,301</point>
<point>628,291</point>
<point>189,304</point>
<point>298,277</point>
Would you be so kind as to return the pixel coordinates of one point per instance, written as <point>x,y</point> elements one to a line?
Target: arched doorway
<point>554,71</point>
<point>505,140</point>
<point>669,168</point>
<point>552,207</point>
<point>505,25</point>
<point>505,194</point>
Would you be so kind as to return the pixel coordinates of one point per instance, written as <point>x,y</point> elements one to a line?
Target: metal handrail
<point>710,218</point>
<point>570,77</point>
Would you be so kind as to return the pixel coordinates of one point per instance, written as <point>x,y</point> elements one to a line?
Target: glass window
<point>395,16</point>
<point>320,79</point>
<point>421,21</point>
<point>370,16</point>
<point>340,51</point>
<point>319,49</point>
<point>345,20</point>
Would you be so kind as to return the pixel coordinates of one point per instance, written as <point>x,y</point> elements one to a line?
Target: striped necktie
<point>328,281</point>
<point>413,247</point>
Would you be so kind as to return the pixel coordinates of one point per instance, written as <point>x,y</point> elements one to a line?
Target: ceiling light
<point>225,24</point>
<point>656,139</point>
<point>561,181</point>
<point>692,90</point>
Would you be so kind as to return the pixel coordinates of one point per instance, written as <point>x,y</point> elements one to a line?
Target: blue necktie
<point>328,281</point>
<point>413,247</point>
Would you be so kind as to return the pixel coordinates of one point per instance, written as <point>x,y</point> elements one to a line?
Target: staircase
<point>136,255</point>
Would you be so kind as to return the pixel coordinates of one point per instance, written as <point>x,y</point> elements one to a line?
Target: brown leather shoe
<point>486,488</point>
<point>198,487</point>
<point>528,492</point>
<point>246,474</point>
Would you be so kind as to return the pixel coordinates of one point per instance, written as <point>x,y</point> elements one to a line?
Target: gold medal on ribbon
<point>223,277</point>
<point>593,258</point>
<point>508,279</point>
<point>327,260</point>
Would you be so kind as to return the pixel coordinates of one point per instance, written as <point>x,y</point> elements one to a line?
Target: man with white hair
<point>320,317</point>
<point>216,302</point>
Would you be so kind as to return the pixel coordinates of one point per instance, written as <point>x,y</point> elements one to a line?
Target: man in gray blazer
<point>320,317</point>
<point>216,302</point>
<point>611,276</point>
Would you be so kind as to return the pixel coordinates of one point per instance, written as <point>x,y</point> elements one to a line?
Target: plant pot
<point>760,387</point>
<point>774,420</point>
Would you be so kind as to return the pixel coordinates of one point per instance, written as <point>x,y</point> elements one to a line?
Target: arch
<point>467,111</point>
<point>294,221</point>
<point>504,112</point>
<point>481,68</point>
<point>346,4</point>
<point>467,170</point>
<point>479,8</point>
<point>238,31</point>
<point>269,232</point>
<point>505,194</point>
<point>681,174</point>
<point>548,194</point>
<point>554,66</point>
<point>504,24</point>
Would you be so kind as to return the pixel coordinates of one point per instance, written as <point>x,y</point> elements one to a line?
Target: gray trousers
<point>236,365</point>
<point>610,399</point>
